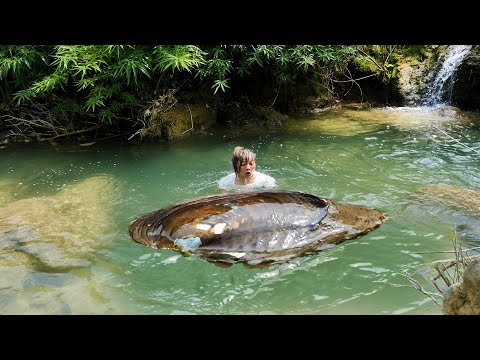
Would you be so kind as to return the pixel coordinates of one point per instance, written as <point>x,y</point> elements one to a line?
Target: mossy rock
<point>182,121</point>
<point>254,115</point>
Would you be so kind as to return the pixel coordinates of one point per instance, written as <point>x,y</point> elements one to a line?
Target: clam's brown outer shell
<point>254,227</point>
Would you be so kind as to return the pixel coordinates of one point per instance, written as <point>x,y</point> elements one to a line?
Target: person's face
<point>247,168</point>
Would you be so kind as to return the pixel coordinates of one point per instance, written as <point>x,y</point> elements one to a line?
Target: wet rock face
<point>466,89</point>
<point>464,298</point>
<point>409,84</point>
<point>254,228</point>
<point>241,114</point>
<point>417,80</point>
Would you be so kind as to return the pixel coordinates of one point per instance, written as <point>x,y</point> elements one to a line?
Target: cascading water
<point>440,91</point>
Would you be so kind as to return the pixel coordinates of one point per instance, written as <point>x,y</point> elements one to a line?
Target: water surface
<point>64,213</point>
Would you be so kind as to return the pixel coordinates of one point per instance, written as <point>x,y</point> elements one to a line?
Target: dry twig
<point>191,119</point>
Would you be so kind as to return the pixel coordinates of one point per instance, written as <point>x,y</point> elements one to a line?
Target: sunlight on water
<point>64,214</point>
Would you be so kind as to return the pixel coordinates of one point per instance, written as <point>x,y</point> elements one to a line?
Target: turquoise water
<point>64,213</point>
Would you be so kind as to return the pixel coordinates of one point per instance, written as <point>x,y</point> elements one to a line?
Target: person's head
<point>244,162</point>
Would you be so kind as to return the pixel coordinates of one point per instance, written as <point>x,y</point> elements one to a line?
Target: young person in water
<point>245,176</point>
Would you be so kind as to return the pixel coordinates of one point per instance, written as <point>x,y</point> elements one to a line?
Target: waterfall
<point>440,91</point>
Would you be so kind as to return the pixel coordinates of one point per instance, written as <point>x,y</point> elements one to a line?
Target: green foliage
<point>106,115</point>
<point>20,65</point>
<point>135,61</point>
<point>101,73</point>
<point>68,106</point>
<point>179,57</point>
<point>95,98</point>
<point>378,59</point>
<point>108,80</point>
<point>16,60</point>
<point>23,95</point>
<point>284,62</point>
<point>416,51</point>
<point>220,84</point>
<point>49,82</point>
<point>81,60</point>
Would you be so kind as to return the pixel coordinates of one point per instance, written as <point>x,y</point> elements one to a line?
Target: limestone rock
<point>464,298</point>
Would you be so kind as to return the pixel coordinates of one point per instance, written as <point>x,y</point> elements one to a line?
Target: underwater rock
<point>455,196</point>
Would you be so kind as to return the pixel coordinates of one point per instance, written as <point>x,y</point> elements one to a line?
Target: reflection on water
<point>64,213</point>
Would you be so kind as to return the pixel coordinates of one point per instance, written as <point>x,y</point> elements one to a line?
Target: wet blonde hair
<point>239,155</point>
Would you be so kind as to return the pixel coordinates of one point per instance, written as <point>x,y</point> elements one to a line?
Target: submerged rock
<point>254,227</point>
<point>455,196</point>
<point>47,245</point>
